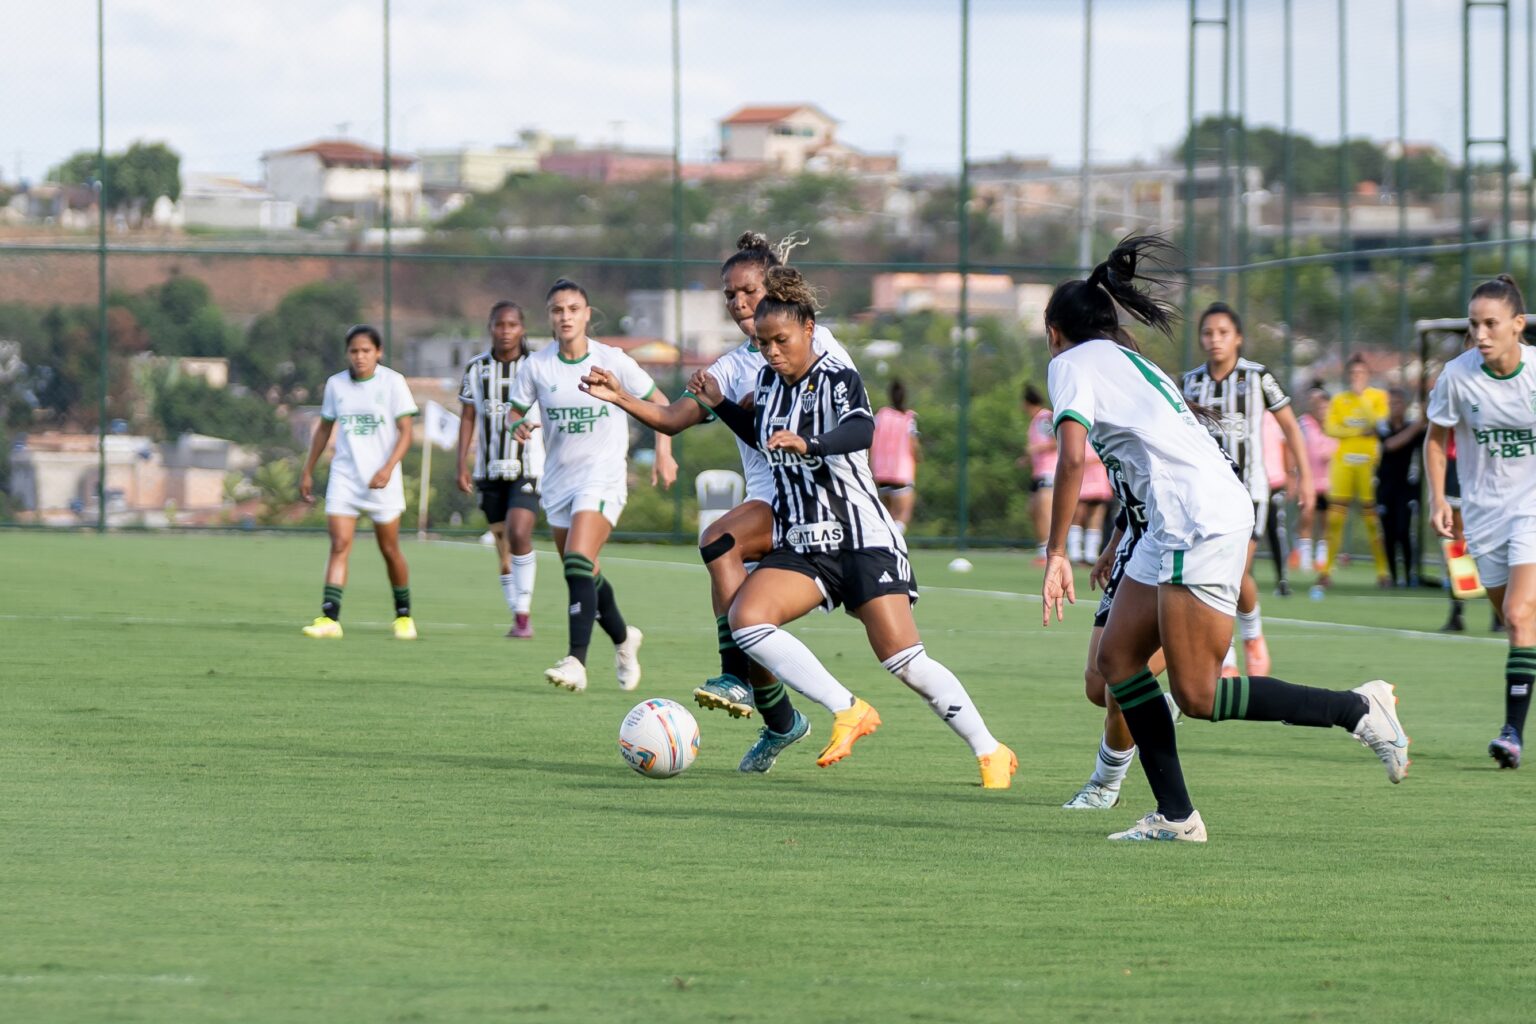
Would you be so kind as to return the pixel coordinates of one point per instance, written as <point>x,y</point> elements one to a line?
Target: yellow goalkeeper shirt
<point>1352,419</point>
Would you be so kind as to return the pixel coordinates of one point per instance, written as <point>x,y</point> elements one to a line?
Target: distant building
<point>440,355</point>
<point>707,330</point>
<point>986,295</point>
<point>340,177</point>
<point>475,169</point>
<point>785,136</point>
<point>609,166</point>
<point>225,202</point>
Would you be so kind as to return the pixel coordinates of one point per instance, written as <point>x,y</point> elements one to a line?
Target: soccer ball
<point>659,738</point>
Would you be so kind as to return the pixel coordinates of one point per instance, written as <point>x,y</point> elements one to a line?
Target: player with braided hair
<point>834,543</point>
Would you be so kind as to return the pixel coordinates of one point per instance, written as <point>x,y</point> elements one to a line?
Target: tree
<point>297,345</point>
<point>189,404</point>
<point>135,178</point>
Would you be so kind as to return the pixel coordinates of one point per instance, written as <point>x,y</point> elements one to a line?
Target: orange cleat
<point>997,768</point>
<point>848,727</point>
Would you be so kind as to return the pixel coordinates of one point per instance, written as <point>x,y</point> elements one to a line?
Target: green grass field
<point>206,817</point>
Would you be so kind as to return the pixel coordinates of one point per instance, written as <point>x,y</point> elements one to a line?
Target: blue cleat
<point>1506,749</point>
<point>761,755</point>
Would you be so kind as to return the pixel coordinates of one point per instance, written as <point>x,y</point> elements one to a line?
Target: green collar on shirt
<point>362,380</point>
<point>1511,375</point>
<point>573,362</point>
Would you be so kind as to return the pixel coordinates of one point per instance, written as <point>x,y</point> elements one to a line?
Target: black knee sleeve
<point>715,548</point>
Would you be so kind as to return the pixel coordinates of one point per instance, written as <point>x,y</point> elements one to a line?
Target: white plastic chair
<point>720,490</point>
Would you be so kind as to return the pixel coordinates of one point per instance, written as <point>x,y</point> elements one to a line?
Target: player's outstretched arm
<point>662,417</point>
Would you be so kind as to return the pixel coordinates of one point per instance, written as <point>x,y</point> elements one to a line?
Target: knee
<point>341,545</point>
<point>1095,686</point>
<point>1194,702</point>
<point>1109,668</point>
<point>716,543</point>
<point>1520,619</point>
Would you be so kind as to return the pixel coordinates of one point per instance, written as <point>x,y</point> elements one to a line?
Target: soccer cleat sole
<point>1505,757</point>
<point>710,702</point>
<point>561,684</point>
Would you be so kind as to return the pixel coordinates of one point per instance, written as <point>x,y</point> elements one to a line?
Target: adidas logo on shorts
<point>885,577</point>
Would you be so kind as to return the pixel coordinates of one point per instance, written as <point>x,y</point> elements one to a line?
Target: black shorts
<point>850,579</point>
<point>1322,503</point>
<point>1042,483</point>
<point>498,497</point>
<point>1116,574</point>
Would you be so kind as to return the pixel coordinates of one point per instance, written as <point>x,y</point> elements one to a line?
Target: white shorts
<point>1516,545</point>
<point>1212,568</point>
<point>560,510</point>
<point>347,497</point>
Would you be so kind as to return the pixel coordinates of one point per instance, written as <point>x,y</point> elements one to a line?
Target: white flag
<point>440,426</point>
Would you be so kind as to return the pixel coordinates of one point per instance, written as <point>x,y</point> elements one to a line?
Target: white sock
<point>791,661</point>
<point>1322,554</point>
<point>1074,543</point>
<point>1249,625</point>
<point>1230,661</point>
<point>509,590</point>
<point>1304,552</point>
<point>944,694</point>
<point>1111,766</point>
<point>1093,543</point>
<point>524,569</point>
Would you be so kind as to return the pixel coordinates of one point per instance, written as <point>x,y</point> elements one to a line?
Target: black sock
<point>1151,725</point>
<point>583,604</point>
<point>733,660</point>
<point>1519,674</point>
<point>1263,699</point>
<point>402,601</point>
<point>773,704</point>
<point>608,615</point>
<point>330,604</point>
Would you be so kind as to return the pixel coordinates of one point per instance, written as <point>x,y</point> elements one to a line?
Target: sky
<point>222,83</point>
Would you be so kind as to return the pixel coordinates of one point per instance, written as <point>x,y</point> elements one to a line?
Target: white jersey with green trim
<point>366,413</point>
<point>736,373</point>
<point>1147,437</point>
<point>1495,423</point>
<point>586,440</point>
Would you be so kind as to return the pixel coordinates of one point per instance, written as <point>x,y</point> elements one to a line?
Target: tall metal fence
<point>92,294</point>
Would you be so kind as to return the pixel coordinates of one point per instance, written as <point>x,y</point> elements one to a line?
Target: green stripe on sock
<point>1243,690</point>
<point>1136,690</point>
<point>1219,704</point>
<point>767,696</point>
<point>723,633</point>
<point>578,565</point>
<point>332,592</point>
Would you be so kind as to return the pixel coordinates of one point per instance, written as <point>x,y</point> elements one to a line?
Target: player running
<point>835,544</point>
<point>505,472</point>
<point>744,534</point>
<point>1182,580</point>
<point>1353,418</point>
<point>374,407</point>
<point>1487,396</point>
<point>1239,391</point>
<point>585,475</point>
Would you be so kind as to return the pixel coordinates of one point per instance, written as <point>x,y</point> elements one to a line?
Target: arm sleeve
<point>404,401</point>
<point>854,434</point>
<point>634,378</point>
<point>523,393</point>
<point>1275,397</point>
<point>1071,393</point>
<point>742,423</point>
<point>328,411</point>
<point>1442,403</point>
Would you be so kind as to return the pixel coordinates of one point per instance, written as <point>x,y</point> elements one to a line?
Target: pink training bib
<point>1042,446</point>
<point>890,456</point>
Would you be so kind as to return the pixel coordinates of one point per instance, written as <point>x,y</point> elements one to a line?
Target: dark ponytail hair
<point>752,249</point>
<point>565,284</point>
<point>785,291</point>
<point>1502,287</point>
<point>503,306</point>
<point>1222,309</point>
<point>367,330</point>
<point>1033,396</point>
<point>898,396</point>
<point>1083,310</point>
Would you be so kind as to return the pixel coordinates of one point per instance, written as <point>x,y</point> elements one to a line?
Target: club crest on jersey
<point>815,535</point>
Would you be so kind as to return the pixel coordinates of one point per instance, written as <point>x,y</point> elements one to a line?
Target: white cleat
<point>568,674</point>
<point>1093,797</point>
<point>626,659</point>
<point>1380,729</point>
<point>1155,828</point>
<point>1174,709</point>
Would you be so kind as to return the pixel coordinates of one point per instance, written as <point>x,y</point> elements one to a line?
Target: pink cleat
<point>522,627</point>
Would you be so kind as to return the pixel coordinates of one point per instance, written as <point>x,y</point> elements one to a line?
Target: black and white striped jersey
<point>821,503</point>
<point>487,386</point>
<point>1240,399</point>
